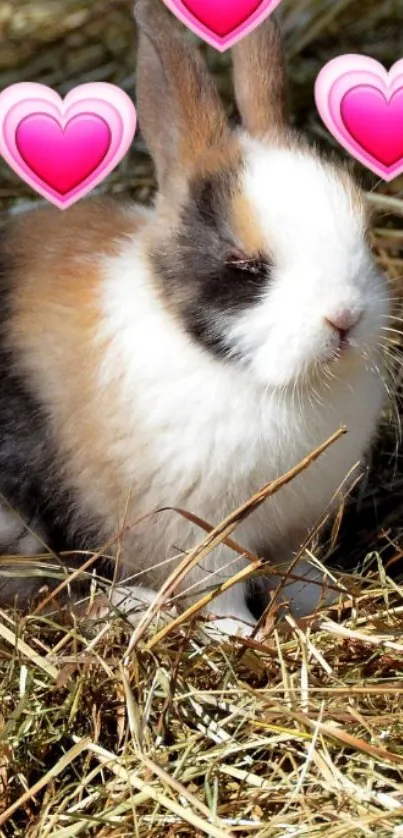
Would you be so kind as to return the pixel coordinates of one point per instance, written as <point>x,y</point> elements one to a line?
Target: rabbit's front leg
<point>230,613</point>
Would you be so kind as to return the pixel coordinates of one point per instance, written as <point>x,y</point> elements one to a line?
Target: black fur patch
<point>196,268</point>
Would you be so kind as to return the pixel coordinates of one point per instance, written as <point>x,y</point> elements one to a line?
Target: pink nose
<point>343,320</point>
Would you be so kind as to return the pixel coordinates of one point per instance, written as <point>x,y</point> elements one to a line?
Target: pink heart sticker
<point>375,123</point>
<point>361,103</point>
<point>64,148</point>
<point>43,143</point>
<point>221,23</point>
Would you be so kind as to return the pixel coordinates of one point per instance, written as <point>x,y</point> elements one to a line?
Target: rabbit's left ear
<point>180,112</point>
<point>260,80</point>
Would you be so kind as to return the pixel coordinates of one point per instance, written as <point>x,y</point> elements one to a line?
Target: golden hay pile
<point>300,734</point>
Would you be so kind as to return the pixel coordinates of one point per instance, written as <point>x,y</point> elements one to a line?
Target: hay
<point>297,735</point>
<point>301,734</point>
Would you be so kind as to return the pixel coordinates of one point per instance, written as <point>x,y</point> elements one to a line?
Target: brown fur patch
<point>203,124</point>
<point>57,256</point>
<point>218,158</point>
<point>246,226</point>
<point>92,226</point>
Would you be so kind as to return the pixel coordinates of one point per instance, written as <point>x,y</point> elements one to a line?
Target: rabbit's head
<point>261,248</point>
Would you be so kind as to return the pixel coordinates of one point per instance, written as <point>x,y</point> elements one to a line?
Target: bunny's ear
<point>180,112</point>
<point>260,80</point>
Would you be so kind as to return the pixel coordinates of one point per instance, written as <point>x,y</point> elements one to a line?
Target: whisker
<point>398,331</point>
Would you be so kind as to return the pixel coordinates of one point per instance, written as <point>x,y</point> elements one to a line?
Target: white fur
<point>202,434</point>
<point>10,527</point>
<point>131,602</point>
<point>15,536</point>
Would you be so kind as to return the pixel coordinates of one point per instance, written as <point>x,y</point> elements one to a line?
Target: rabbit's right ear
<point>260,80</point>
<point>180,112</point>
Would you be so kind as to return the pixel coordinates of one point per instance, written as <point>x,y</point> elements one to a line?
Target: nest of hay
<point>297,734</point>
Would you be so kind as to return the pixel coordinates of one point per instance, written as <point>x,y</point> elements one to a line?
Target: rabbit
<point>182,355</point>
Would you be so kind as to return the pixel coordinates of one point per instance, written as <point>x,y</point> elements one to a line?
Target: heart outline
<point>219,42</point>
<point>100,98</point>
<point>338,77</point>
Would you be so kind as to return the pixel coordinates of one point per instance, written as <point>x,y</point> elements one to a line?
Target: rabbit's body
<point>145,378</point>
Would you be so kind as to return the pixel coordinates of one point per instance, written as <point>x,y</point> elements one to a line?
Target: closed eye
<point>240,262</point>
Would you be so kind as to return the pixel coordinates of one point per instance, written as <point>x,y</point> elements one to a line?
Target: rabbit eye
<point>241,262</point>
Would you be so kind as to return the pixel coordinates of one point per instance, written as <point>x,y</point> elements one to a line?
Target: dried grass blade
<point>62,763</point>
<point>112,761</point>
<point>29,653</point>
